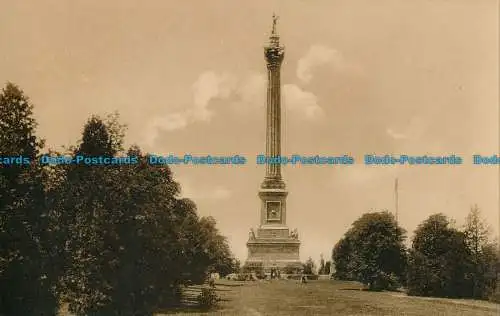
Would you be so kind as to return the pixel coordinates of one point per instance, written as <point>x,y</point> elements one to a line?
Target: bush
<point>309,267</point>
<point>385,281</point>
<point>256,268</point>
<point>208,298</point>
<point>241,277</point>
<point>495,297</point>
<point>291,269</point>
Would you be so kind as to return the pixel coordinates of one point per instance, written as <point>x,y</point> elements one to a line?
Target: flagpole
<point>396,198</point>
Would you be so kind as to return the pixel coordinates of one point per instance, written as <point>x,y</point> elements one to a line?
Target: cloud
<point>171,122</point>
<point>302,102</point>
<point>168,122</point>
<point>319,55</point>
<point>246,92</point>
<point>414,130</point>
<point>207,87</point>
<point>251,91</point>
<point>395,135</point>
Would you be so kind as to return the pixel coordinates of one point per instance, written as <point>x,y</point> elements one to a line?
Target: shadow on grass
<point>185,310</point>
<point>229,285</point>
<point>351,289</point>
<point>190,309</point>
<point>370,290</point>
<point>222,290</point>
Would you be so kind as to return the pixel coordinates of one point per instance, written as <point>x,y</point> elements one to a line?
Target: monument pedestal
<point>273,247</point>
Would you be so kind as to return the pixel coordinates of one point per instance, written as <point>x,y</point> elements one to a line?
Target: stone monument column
<point>273,193</point>
<point>274,54</point>
<point>273,246</point>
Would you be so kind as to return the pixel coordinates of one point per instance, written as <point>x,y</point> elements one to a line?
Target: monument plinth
<point>273,245</point>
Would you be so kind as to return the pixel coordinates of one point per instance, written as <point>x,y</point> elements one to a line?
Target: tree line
<point>105,240</point>
<point>443,260</point>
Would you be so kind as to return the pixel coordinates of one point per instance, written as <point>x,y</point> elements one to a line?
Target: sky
<point>359,77</point>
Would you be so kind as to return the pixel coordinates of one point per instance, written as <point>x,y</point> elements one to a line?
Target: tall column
<point>274,54</point>
<point>273,245</point>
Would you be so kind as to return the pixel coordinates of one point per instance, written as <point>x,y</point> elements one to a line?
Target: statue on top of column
<point>275,19</point>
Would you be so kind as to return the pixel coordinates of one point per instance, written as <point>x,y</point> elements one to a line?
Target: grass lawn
<point>330,298</point>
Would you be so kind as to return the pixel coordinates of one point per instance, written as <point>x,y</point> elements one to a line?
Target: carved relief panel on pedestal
<point>273,211</point>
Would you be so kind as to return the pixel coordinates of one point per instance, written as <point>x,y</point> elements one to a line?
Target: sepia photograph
<point>281,157</point>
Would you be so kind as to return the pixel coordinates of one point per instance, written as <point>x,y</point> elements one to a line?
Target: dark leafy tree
<point>236,266</point>
<point>483,254</point>
<point>153,237</point>
<point>220,256</point>
<point>373,251</point>
<point>328,265</point>
<point>130,242</point>
<point>292,269</point>
<point>309,266</point>
<point>342,255</point>
<point>87,205</point>
<point>26,277</point>
<point>439,261</point>
<point>321,265</point>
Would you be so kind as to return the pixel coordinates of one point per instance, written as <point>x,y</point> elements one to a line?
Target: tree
<point>292,269</point>
<point>220,256</point>
<point>309,266</point>
<point>26,277</point>
<point>372,251</point>
<point>157,241</point>
<point>129,241</point>
<point>328,265</point>
<point>440,260</point>
<point>321,265</point>
<point>483,254</point>
<point>341,256</point>
<point>123,229</point>
<point>86,203</point>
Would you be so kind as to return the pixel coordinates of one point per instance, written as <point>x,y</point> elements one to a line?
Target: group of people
<point>275,273</point>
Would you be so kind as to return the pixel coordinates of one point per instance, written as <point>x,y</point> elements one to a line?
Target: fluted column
<point>274,54</point>
<point>273,146</point>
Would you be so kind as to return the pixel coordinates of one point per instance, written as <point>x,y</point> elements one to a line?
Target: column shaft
<point>273,132</point>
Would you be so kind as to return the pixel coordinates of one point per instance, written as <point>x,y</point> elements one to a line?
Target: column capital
<point>274,55</point>
<point>273,183</point>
